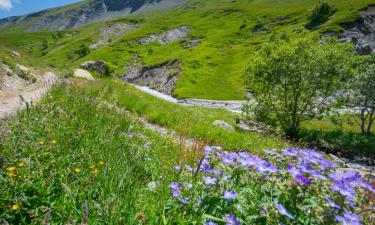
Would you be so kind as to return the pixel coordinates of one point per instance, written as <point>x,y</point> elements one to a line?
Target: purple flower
<point>344,189</point>
<point>348,177</point>
<point>302,179</point>
<point>228,158</point>
<point>290,151</point>
<point>269,152</point>
<point>176,193</point>
<point>230,195</point>
<point>177,167</point>
<point>189,186</point>
<point>232,220</point>
<point>185,200</point>
<point>368,187</point>
<point>210,223</point>
<point>265,167</point>
<point>293,170</point>
<point>283,210</point>
<point>210,180</point>
<point>349,219</point>
<point>175,185</point>
<point>189,167</point>
<point>332,203</point>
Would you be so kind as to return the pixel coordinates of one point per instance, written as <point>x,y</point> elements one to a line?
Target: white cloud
<point>7,5</point>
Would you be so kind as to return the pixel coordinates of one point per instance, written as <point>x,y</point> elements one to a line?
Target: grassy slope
<point>213,69</point>
<point>70,151</point>
<point>193,122</point>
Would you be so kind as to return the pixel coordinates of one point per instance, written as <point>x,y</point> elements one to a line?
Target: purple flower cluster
<point>176,189</point>
<point>349,219</point>
<point>222,172</point>
<point>346,182</point>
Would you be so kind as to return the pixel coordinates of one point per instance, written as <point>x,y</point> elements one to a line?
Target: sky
<point>21,7</point>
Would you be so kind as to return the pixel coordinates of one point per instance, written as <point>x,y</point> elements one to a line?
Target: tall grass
<point>71,161</point>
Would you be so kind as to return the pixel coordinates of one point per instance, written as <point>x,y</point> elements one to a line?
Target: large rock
<point>363,48</point>
<point>226,126</point>
<point>83,74</point>
<point>98,66</point>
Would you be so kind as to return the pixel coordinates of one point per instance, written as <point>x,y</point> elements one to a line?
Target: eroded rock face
<point>161,78</point>
<point>167,37</point>
<point>362,32</point>
<point>114,30</point>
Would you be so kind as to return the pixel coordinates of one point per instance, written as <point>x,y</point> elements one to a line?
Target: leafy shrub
<point>321,12</point>
<point>293,186</point>
<point>292,80</point>
<point>82,51</point>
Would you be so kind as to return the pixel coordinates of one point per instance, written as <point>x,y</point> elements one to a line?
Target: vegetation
<point>70,160</point>
<point>85,153</point>
<point>364,98</point>
<point>193,122</point>
<point>293,80</point>
<point>211,70</point>
<point>321,13</point>
<point>286,187</point>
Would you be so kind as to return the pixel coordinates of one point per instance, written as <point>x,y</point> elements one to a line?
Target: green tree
<point>363,87</point>
<point>292,81</point>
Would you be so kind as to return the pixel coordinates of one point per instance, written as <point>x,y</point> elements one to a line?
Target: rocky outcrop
<point>113,30</point>
<point>74,16</point>
<point>224,125</point>
<point>167,37</point>
<point>99,66</point>
<point>161,78</point>
<point>362,32</point>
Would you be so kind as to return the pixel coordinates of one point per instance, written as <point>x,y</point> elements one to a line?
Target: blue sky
<point>20,7</point>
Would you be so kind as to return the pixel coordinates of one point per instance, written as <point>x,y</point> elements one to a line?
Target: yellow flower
<point>94,171</point>
<point>41,142</point>
<point>101,162</point>
<point>77,170</point>
<point>11,169</point>
<point>21,164</point>
<point>53,142</point>
<point>15,207</point>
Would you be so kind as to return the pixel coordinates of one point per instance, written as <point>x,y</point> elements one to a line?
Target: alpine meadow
<point>187,112</point>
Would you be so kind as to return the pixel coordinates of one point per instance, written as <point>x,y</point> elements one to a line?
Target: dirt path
<point>16,93</point>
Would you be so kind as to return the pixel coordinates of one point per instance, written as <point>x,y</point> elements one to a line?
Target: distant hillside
<point>76,15</point>
<point>197,49</point>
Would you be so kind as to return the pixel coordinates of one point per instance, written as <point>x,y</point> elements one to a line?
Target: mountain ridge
<point>76,15</point>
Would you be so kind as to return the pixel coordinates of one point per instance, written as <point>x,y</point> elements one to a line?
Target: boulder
<point>98,66</point>
<point>83,74</point>
<point>226,126</point>
<point>363,48</point>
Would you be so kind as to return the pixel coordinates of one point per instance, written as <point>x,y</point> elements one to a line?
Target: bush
<point>321,13</point>
<point>292,80</point>
<point>82,51</point>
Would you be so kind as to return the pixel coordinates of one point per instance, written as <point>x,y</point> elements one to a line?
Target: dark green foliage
<point>82,51</point>
<point>320,14</point>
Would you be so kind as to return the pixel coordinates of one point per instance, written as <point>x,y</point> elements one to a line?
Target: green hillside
<point>229,33</point>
